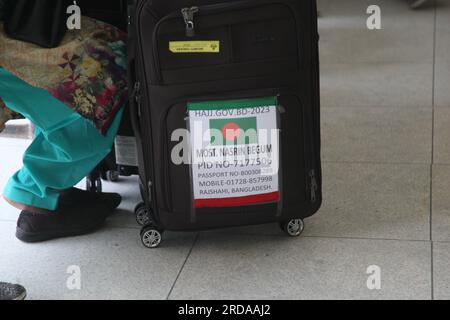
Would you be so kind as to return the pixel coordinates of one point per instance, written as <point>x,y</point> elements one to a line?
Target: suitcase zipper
<point>147,145</point>
<point>314,186</point>
<point>137,96</point>
<point>188,16</point>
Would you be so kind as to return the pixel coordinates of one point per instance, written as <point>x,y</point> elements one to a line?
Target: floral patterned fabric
<point>5,115</point>
<point>87,72</point>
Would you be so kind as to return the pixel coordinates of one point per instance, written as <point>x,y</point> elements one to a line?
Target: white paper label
<point>235,152</point>
<point>126,151</point>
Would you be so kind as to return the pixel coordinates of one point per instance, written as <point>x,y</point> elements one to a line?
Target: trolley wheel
<point>151,236</point>
<point>293,228</point>
<point>112,175</point>
<point>143,214</point>
<point>94,185</point>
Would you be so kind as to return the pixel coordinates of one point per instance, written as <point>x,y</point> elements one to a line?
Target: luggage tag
<point>235,152</point>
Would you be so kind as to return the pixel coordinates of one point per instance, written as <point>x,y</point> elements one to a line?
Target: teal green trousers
<point>65,149</point>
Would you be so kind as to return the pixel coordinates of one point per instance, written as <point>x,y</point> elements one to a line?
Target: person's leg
<point>66,148</point>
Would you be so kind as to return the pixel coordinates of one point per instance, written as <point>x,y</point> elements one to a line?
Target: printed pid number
<point>265,162</point>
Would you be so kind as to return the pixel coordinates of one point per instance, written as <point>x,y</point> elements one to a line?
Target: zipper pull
<point>137,88</point>
<point>150,191</point>
<point>314,186</point>
<point>137,96</point>
<point>281,109</point>
<point>188,16</point>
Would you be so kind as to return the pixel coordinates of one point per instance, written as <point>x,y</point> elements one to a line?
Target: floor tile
<point>442,135</point>
<point>251,267</point>
<point>374,201</point>
<point>113,265</point>
<point>393,84</point>
<point>441,263</point>
<point>441,203</point>
<point>388,135</point>
<point>442,92</point>
<point>346,8</point>
<point>405,36</point>
<point>378,201</point>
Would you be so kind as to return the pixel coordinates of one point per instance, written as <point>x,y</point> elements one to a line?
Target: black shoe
<point>10,291</point>
<point>70,219</point>
<point>75,196</point>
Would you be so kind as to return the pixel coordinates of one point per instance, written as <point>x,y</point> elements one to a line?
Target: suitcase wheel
<point>151,236</point>
<point>111,175</point>
<point>293,228</point>
<point>94,185</point>
<point>143,214</point>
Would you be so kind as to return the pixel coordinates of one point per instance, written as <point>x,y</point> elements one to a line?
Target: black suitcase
<point>233,66</point>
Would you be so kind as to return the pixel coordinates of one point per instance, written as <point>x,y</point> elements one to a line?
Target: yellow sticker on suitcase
<point>194,46</point>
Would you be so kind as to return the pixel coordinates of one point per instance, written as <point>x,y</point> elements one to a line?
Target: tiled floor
<point>386,152</point>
